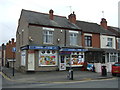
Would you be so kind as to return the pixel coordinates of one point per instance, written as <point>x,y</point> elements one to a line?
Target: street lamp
<point>13,50</point>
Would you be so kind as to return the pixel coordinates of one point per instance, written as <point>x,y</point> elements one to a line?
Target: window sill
<point>48,43</point>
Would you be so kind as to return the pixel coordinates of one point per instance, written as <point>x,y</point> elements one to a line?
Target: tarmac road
<point>102,83</point>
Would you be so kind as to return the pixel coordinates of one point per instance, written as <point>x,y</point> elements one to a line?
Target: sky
<point>85,10</point>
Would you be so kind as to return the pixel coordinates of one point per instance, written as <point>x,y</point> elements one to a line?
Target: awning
<point>72,49</point>
<point>110,50</point>
<point>95,49</point>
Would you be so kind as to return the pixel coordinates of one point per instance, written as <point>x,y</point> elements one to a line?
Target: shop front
<point>39,58</point>
<point>69,57</point>
<point>47,58</point>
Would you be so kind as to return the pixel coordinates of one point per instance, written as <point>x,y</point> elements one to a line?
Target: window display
<point>77,59</point>
<point>47,58</point>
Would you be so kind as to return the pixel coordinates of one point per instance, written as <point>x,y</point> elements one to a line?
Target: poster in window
<point>47,60</point>
<point>75,60</point>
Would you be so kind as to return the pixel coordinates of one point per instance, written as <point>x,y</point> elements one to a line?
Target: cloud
<point>86,10</point>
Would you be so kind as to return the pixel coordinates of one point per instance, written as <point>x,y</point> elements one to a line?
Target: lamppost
<point>70,70</point>
<point>13,50</point>
<point>13,63</point>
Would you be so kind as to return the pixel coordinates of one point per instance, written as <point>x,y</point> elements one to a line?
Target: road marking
<point>5,76</point>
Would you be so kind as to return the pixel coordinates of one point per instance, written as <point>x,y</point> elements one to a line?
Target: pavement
<point>51,76</point>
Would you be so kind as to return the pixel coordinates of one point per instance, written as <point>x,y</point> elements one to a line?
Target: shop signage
<point>69,49</point>
<point>44,47</point>
<point>40,47</point>
<point>14,49</point>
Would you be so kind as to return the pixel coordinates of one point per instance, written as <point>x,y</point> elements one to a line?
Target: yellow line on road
<point>5,76</point>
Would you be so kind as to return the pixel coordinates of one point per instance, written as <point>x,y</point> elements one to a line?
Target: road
<point>104,83</point>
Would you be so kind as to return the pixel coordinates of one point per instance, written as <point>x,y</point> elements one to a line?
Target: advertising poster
<point>76,60</point>
<point>47,60</point>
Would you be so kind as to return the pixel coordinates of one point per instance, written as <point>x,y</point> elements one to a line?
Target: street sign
<point>14,49</point>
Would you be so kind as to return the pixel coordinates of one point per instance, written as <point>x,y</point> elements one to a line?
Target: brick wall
<point>8,52</point>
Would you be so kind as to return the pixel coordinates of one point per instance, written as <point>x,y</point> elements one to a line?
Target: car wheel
<point>114,74</point>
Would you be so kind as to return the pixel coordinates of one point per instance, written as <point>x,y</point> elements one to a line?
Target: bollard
<point>70,74</point>
<point>104,71</point>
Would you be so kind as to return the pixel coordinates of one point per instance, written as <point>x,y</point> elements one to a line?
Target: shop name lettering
<point>41,47</point>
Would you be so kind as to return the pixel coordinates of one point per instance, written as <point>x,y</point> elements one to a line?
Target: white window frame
<point>47,37</point>
<point>73,37</point>
<point>23,58</point>
<point>110,42</point>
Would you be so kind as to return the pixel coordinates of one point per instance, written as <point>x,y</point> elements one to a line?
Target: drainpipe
<point>65,38</point>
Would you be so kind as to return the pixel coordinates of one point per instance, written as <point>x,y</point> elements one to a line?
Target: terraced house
<point>48,42</point>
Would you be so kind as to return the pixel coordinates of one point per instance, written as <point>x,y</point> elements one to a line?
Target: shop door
<point>62,63</point>
<point>31,58</point>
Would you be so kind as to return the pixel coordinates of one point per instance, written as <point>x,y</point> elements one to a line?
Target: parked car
<point>116,68</point>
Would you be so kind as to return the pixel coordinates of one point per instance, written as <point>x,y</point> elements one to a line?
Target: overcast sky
<point>85,10</point>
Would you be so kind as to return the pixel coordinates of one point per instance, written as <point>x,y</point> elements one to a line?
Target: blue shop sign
<point>44,47</point>
<point>77,50</point>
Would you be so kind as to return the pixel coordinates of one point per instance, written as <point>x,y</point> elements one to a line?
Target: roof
<point>93,28</point>
<point>115,30</point>
<point>38,18</point>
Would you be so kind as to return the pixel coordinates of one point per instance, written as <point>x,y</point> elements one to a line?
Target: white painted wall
<point>103,41</point>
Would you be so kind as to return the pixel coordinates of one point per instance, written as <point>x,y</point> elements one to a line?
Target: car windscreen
<point>117,64</point>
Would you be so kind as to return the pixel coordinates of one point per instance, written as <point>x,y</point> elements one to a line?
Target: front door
<point>31,58</point>
<point>62,62</point>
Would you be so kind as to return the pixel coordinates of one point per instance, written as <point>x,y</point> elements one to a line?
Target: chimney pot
<point>12,40</point>
<point>72,17</point>
<point>104,23</point>
<point>51,14</point>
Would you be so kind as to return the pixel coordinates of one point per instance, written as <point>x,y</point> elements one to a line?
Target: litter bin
<point>104,71</point>
<point>70,74</point>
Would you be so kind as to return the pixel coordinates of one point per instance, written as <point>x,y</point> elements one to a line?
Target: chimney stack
<point>51,14</point>
<point>12,40</point>
<point>72,18</point>
<point>103,23</point>
<point>9,42</point>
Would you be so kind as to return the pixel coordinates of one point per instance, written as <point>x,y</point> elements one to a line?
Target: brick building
<point>9,54</point>
<point>51,42</point>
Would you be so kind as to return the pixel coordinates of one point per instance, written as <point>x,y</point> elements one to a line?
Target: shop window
<point>88,41</point>
<point>53,51</point>
<point>48,58</point>
<point>68,60</point>
<point>113,57</point>
<point>43,52</point>
<point>48,51</point>
<point>77,52</point>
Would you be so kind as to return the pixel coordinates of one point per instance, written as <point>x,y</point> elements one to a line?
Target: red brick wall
<point>8,52</point>
<point>95,40</point>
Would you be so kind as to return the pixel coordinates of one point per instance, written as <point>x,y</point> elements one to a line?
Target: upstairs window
<point>48,35</point>
<point>109,42</point>
<point>88,41</point>
<point>73,38</point>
